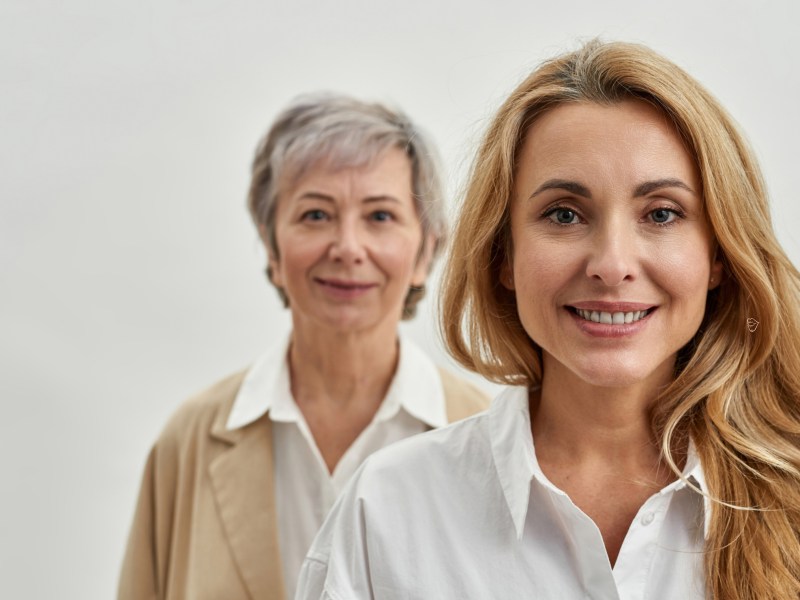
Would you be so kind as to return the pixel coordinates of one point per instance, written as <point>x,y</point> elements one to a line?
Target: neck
<point>581,423</point>
<point>345,369</point>
<point>597,445</point>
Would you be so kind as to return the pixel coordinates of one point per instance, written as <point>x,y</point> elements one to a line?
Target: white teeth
<point>607,318</point>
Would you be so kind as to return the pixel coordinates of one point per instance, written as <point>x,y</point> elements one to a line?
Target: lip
<point>344,288</point>
<point>605,330</point>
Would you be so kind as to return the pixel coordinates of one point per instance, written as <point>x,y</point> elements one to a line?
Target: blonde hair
<point>736,392</point>
<point>340,132</point>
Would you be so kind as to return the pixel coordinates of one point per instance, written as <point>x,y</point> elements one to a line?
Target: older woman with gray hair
<point>347,200</point>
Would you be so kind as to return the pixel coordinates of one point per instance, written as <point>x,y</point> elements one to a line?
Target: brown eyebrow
<point>580,190</point>
<point>651,186</point>
<point>562,184</point>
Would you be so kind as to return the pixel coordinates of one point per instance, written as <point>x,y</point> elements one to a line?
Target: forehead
<point>332,154</point>
<point>630,139</point>
<point>389,172</point>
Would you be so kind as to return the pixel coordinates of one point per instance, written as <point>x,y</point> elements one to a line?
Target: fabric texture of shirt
<point>206,525</point>
<point>465,512</point>
<point>304,488</point>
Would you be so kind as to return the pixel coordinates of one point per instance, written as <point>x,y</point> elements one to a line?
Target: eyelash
<point>309,215</point>
<point>679,214</point>
<point>547,214</point>
<point>306,216</point>
<point>388,216</point>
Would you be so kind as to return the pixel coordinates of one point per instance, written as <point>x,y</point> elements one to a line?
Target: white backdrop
<point>130,276</point>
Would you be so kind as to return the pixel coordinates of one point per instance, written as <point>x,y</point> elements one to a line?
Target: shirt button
<point>647,518</point>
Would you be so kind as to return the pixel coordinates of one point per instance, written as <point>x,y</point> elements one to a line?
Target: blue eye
<point>563,216</point>
<point>662,216</point>
<point>381,215</point>
<point>314,215</point>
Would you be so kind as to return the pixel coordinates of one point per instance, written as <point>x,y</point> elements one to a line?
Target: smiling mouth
<point>611,318</point>
<point>345,285</point>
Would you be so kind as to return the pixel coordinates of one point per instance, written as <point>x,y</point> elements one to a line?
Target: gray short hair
<point>340,132</point>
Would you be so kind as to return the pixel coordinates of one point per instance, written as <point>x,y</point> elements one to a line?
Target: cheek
<point>683,272</point>
<point>298,255</point>
<point>397,254</point>
<point>399,264</point>
<point>541,269</point>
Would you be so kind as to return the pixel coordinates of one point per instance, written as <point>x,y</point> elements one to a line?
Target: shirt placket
<point>590,552</point>
<point>638,550</point>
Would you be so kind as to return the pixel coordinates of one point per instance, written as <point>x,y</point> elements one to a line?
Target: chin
<point>351,321</point>
<point>617,374</point>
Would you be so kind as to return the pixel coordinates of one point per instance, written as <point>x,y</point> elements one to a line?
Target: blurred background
<point>130,274</point>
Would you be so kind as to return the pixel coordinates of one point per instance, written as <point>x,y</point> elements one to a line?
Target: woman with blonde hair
<point>345,195</point>
<point>615,260</point>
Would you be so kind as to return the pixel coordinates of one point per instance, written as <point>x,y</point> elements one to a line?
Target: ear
<point>424,259</point>
<point>507,275</point>
<point>273,264</point>
<point>717,270</point>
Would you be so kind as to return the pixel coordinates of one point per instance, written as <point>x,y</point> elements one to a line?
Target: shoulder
<point>462,397</point>
<point>402,493</point>
<point>457,458</point>
<point>201,413</point>
<point>447,456</point>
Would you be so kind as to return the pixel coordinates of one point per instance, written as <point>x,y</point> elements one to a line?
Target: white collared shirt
<point>465,512</point>
<point>304,488</point>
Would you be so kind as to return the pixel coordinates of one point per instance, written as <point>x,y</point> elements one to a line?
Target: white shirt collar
<point>512,450</point>
<point>517,466</point>
<point>416,387</point>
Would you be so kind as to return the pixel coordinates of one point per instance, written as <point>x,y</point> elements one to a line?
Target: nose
<point>613,257</point>
<point>347,245</point>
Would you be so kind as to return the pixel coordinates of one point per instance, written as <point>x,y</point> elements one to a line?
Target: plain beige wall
<point>130,275</point>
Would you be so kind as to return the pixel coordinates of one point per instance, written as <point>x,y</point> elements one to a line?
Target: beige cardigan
<point>205,524</point>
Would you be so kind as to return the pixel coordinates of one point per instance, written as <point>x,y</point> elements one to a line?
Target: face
<point>349,244</point>
<point>612,254</point>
